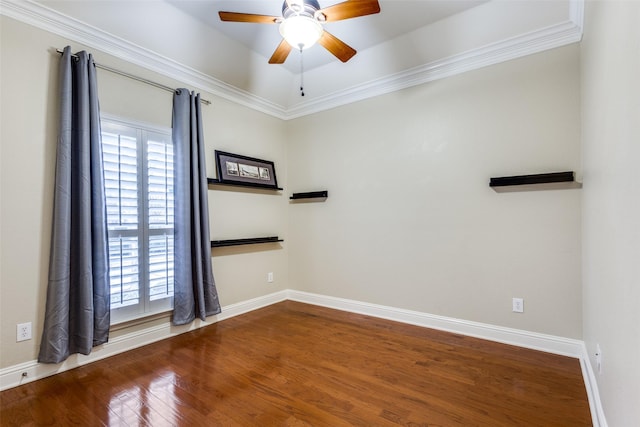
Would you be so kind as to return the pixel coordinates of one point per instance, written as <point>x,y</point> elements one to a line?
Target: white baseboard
<point>13,375</point>
<point>590,383</point>
<point>536,341</point>
<point>548,343</point>
<point>23,373</point>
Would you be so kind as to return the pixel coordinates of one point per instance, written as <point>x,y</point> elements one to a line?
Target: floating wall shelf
<point>541,181</point>
<point>239,242</point>
<point>310,195</point>
<point>214,181</point>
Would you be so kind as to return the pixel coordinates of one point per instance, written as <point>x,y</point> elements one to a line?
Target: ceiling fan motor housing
<point>301,7</point>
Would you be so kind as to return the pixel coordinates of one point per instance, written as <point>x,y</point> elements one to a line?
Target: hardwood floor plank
<point>293,364</point>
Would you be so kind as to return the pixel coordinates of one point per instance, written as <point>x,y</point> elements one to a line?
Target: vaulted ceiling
<point>409,42</point>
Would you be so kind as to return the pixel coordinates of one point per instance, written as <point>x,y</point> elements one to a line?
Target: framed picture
<point>242,170</point>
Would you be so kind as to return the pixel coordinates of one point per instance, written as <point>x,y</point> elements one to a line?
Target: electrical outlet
<point>599,358</point>
<point>518,305</point>
<point>23,332</point>
<point>270,277</point>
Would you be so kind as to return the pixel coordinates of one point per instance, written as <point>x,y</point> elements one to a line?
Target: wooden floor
<point>293,364</point>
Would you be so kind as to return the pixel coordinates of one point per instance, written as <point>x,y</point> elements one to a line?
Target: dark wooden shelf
<point>310,195</point>
<point>251,241</point>
<point>214,181</point>
<point>541,181</point>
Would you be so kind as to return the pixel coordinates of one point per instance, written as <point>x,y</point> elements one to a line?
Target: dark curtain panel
<point>77,310</point>
<point>195,292</point>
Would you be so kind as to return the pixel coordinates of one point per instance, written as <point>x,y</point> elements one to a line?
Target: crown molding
<point>554,36</point>
<point>47,19</point>
<point>551,37</point>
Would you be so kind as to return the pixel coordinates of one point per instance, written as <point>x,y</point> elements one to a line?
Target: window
<point>138,174</point>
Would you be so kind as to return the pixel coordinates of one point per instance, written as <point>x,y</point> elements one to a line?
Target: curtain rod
<point>131,76</point>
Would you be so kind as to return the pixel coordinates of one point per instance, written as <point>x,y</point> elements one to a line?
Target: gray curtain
<point>195,292</point>
<point>77,310</point>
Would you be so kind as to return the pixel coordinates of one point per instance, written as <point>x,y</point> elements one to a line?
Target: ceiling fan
<point>301,25</point>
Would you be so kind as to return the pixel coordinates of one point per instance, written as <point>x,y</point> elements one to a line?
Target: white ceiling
<point>396,17</point>
<point>409,42</point>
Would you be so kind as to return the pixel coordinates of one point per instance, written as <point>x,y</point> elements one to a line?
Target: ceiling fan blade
<point>248,17</point>
<point>337,47</point>
<point>350,9</point>
<point>281,53</point>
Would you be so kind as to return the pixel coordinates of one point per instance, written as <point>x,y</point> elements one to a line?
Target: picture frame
<point>236,169</point>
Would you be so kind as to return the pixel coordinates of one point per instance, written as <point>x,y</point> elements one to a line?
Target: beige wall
<point>411,222</point>
<point>611,141</point>
<point>28,137</point>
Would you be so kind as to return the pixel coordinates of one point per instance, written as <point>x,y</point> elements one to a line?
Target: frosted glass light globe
<point>301,32</point>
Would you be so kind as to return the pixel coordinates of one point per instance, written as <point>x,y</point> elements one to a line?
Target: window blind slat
<point>138,173</point>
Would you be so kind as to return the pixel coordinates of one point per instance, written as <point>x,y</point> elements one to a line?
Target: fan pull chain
<point>301,73</point>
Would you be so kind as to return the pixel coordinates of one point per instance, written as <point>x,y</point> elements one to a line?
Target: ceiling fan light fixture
<point>301,32</point>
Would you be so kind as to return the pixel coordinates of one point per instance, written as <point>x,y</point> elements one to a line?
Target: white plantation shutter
<point>160,267</point>
<point>124,274</point>
<point>121,186</point>
<point>121,179</point>
<point>160,181</point>
<point>138,166</point>
<point>160,198</point>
